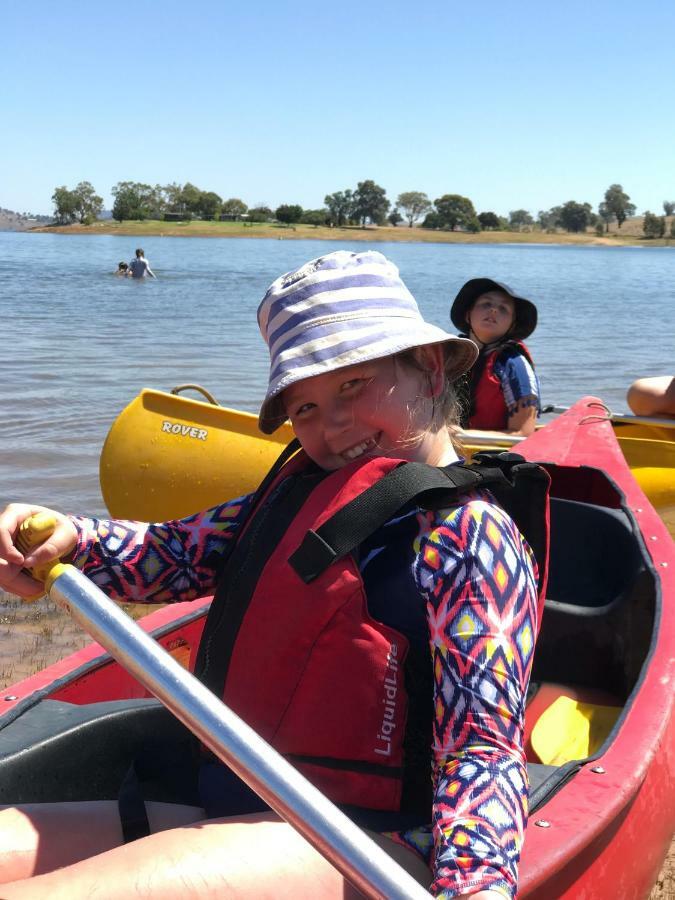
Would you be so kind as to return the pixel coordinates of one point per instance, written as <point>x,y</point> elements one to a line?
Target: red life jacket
<point>299,656</point>
<point>488,408</point>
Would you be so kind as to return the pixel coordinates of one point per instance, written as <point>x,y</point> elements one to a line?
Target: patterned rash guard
<point>519,381</point>
<point>471,588</point>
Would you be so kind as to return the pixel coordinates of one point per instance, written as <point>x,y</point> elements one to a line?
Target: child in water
<point>396,680</point>
<point>502,390</point>
<point>122,269</point>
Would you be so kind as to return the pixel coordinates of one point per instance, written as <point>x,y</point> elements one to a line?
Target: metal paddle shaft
<point>288,793</point>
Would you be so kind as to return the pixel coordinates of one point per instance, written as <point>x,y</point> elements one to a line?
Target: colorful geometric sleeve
<point>479,580</point>
<point>159,563</point>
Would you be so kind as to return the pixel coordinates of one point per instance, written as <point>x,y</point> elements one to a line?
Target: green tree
<point>288,213</point>
<point>209,205</point>
<point>618,203</point>
<point>606,215</point>
<point>575,217</point>
<point>173,197</point>
<point>65,205</point>
<point>432,220</point>
<point>414,205</point>
<point>520,218</point>
<point>260,214</point>
<point>548,219</point>
<point>454,211</point>
<point>315,217</point>
<point>190,198</point>
<point>136,200</point>
<point>669,207</point>
<point>653,226</point>
<point>370,203</point>
<point>340,207</point>
<point>234,207</point>
<point>182,199</point>
<point>88,204</point>
<point>395,218</point>
<point>156,201</point>
<point>125,206</point>
<point>488,220</point>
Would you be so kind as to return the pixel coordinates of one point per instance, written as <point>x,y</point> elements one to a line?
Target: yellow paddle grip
<point>34,531</point>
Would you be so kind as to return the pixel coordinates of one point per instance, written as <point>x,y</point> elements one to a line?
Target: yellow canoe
<point>167,456</point>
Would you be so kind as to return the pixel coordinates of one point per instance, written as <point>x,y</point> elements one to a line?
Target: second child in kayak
<point>502,390</point>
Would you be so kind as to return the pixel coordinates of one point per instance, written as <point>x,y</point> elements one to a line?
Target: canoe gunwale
<point>88,661</point>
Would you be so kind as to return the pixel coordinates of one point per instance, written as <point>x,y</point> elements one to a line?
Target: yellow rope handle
<point>199,389</point>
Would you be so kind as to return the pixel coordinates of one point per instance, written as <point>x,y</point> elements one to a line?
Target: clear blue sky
<point>515,105</point>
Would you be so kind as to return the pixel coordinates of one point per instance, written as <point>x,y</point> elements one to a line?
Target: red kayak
<point>600,729</point>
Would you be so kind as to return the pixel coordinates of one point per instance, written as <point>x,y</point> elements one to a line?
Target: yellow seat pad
<point>571,729</point>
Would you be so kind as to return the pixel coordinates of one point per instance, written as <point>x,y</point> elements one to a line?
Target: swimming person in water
<point>139,266</point>
<point>501,393</point>
<point>122,269</point>
<point>394,676</point>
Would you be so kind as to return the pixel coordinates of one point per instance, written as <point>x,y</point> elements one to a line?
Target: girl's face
<point>491,316</point>
<point>378,408</point>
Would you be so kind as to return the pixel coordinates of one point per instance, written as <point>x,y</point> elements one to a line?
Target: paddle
<point>369,868</point>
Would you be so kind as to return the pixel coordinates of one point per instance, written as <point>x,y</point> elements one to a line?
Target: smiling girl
<point>394,675</point>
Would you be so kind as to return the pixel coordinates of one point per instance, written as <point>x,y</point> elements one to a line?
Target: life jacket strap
<point>427,486</point>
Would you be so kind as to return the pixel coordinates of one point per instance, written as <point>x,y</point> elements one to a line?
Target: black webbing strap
<point>131,806</point>
<point>358,519</point>
<point>288,451</point>
<point>160,770</point>
<point>266,523</point>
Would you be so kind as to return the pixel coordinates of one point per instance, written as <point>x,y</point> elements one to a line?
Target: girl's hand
<point>12,561</point>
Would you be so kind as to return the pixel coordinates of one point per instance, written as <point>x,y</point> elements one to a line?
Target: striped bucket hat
<point>338,310</point>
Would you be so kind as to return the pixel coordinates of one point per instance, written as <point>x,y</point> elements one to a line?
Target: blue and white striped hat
<point>338,310</point>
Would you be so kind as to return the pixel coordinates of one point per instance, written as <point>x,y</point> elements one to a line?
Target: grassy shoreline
<point>273,231</point>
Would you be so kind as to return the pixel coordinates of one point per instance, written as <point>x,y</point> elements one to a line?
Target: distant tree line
<point>367,204</point>
<point>27,216</point>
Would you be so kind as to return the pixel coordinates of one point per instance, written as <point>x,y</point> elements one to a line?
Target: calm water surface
<point>78,343</point>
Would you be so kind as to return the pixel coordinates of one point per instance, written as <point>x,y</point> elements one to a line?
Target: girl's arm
<point>480,588</point>
<point>523,420</point>
<point>520,386</point>
<point>158,563</point>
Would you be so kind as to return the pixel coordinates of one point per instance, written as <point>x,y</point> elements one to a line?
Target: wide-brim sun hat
<point>526,311</point>
<point>339,310</point>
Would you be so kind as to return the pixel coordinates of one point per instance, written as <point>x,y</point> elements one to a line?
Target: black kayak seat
<point>594,557</point>
<point>64,751</point>
<point>61,751</point>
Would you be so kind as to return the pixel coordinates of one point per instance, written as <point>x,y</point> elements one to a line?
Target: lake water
<point>78,343</point>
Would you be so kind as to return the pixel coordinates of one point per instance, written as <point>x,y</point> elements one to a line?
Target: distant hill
<point>14,221</point>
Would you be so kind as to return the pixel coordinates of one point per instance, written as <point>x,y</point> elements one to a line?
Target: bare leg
<point>254,856</point>
<point>39,837</point>
<point>652,396</point>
